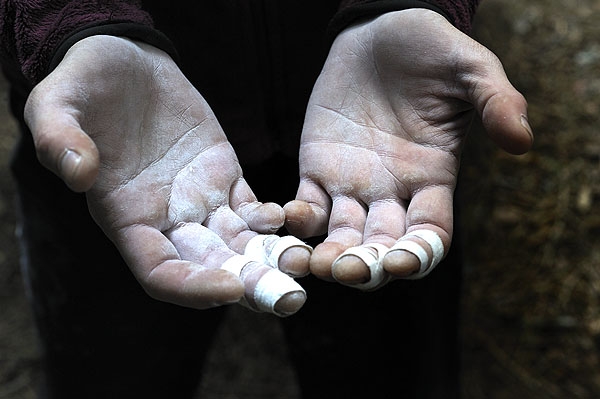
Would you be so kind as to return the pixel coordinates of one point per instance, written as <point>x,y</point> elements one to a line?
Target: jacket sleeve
<point>34,34</point>
<point>459,12</point>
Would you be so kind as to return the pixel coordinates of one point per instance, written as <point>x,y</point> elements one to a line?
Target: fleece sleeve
<point>35,34</point>
<point>459,12</point>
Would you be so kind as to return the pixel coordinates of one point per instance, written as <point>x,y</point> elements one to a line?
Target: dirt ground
<point>531,302</point>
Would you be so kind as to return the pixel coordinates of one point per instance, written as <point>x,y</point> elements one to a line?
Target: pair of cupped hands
<point>379,158</point>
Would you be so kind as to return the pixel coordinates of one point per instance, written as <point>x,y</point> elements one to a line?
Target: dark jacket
<point>254,61</point>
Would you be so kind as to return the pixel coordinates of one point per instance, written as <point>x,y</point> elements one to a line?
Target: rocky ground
<point>531,303</point>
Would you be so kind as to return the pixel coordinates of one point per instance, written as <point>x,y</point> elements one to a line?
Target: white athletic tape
<point>284,243</point>
<point>434,241</point>
<point>267,248</point>
<point>256,247</point>
<point>235,264</point>
<point>415,249</point>
<point>271,287</point>
<point>371,255</point>
<point>437,249</point>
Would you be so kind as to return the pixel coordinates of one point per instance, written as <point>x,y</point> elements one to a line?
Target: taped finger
<point>435,244</point>
<point>266,289</point>
<point>371,255</point>
<point>269,248</point>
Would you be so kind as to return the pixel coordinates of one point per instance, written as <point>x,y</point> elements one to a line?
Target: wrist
<point>133,31</point>
<point>360,11</point>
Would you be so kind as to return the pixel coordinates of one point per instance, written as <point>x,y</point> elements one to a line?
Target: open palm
<point>380,149</point>
<point>118,120</point>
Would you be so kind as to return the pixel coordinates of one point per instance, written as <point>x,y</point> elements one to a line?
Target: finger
<point>165,276</point>
<point>308,214</point>
<point>366,256</point>
<point>505,120</point>
<point>384,225</point>
<point>265,288</point>
<point>502,108</point>
<point>61,145</point>
<point>261,217</point>
<point>346,227</point>
<point>431,209</point>
<point>424,244</point>
<point>288,253</point>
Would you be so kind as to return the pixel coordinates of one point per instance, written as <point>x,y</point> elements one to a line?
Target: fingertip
<point>295,261</point>
<point>68,152</point>
<point>350,270</point>
<point>302,219</point>
<point>512,136</point>
<point>226,287</point>
<point>190,285</point>
<point>289,303</point>
<point>297,215</point>
<point>506,122</point>
<point>528,143</point>
<point>266,218</point>
<point>275,213</point>
<point>78,171</point>
<point>400,263</point>
<point>210,288</point>
<point>322,258</point>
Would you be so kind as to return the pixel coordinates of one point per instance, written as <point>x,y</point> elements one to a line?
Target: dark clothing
<point>33,30</point>
<point>255,62</point>
<point>265,55</point>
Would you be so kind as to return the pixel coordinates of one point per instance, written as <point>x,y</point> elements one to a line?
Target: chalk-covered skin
<point>379,154</point>
<point>118,120</point>
<point>383,133</point>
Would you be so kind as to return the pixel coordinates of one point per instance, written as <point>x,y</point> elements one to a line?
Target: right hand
<point>119,120</point>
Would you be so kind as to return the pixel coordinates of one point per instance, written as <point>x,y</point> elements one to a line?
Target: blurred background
<point>531,293</point>
<point>531,315</point>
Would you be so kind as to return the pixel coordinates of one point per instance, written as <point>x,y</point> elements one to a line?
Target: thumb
<point>61,145</point>
<point>504,117</point>
<point>503,110</point>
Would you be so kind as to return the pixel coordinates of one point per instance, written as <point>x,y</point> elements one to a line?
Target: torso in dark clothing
<point>254,62</point>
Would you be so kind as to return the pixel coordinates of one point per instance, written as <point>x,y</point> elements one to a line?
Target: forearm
<point>459,12</point>
<point>32,33</point>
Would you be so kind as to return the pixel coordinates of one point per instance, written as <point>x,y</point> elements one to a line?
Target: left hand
<point>381,144</point>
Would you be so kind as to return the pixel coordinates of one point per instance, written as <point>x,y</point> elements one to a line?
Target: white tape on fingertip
<point>437,249</point>
<point>434,241</point>
<point>415,249</point>
<point>271,287</point>
<point>371,255</point>
<point>284,243</point>
<point>267,248</point>
<point>235,264</point>
<point>256,248</point>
